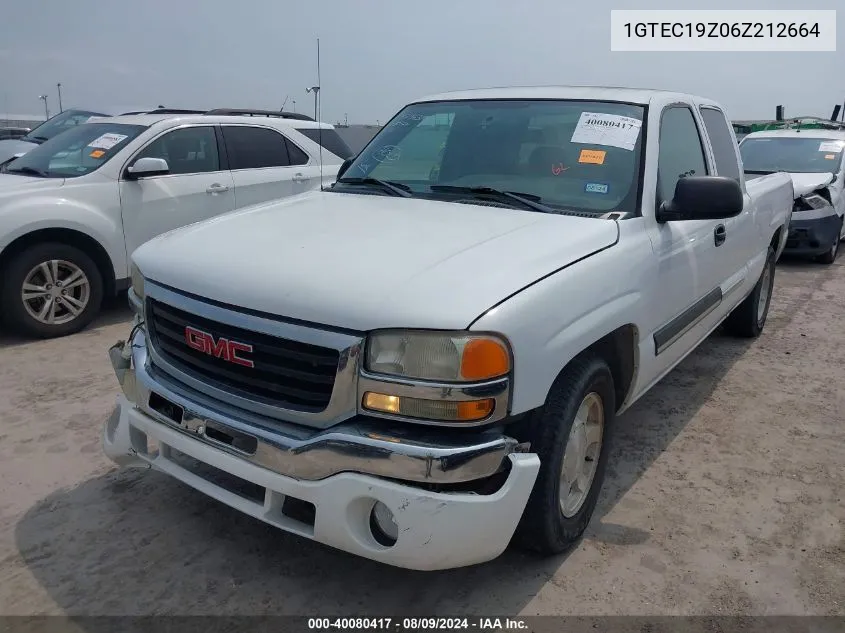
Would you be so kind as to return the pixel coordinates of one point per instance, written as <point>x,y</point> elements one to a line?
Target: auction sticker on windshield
<point>612,130</point>
<point>831,146</point>
<point>107,141</point>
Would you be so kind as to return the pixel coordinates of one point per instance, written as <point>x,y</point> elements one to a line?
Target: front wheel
<point>571,434</point>
<point>51,290</point>
<point>749,317</point>
<point>830,256</point>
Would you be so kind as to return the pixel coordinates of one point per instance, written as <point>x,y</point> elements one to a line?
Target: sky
<point>375,55</point>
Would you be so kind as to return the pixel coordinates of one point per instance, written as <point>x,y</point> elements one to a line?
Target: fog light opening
<point>152,447</point>
<point>383,525</point>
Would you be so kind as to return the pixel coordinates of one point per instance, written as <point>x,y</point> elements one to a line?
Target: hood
<point>365,262</point>
<point>10,147</point>
<point>808,183</point>
<point>17,183</point>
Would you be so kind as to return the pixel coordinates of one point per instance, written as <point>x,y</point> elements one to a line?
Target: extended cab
<point>428,358</point>
<point>73,208</point>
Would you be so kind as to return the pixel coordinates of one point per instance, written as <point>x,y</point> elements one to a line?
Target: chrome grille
<point>288,374</point>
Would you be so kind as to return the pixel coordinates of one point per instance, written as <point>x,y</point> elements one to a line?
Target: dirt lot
<point>726,497</point>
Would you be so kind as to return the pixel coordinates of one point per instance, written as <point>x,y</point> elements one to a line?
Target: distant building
<point>20,120</point>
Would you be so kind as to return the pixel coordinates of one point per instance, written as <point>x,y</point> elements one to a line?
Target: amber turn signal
<point>440,410</point>
<point>484,358</point>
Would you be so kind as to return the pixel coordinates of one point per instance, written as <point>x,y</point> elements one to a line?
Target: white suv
<point>73,209</point>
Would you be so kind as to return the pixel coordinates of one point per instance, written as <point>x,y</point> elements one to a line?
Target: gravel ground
<point>725,497</point>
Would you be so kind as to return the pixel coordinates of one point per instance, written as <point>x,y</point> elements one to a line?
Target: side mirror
<point>147,167</point>
<point>703,198</point>
<point>344,167</point>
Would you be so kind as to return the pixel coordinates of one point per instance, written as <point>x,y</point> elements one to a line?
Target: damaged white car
<point>814,159</point>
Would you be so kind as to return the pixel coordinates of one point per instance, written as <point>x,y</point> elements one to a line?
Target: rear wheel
<point>830,256</point>
<point>51,290</point>
<point>749,317</point>
<point>571,434</point>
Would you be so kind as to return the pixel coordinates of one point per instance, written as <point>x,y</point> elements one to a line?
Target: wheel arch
<point>620,350</point>
<point>84,242</point>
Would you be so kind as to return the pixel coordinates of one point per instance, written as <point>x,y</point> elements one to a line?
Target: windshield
<point>791,154</point>
<point>570,155</point>
<point>76,152</point>
<point>59,123</point>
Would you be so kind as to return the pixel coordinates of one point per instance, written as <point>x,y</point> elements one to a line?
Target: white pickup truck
<point>427,359</point>
<point>73,208</point>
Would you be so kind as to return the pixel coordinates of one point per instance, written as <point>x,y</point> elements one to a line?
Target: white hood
<point>16,185</point>
<point>365,262</point>
<point>808,183</point>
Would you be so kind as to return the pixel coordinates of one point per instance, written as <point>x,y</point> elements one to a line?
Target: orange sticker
<point>97,153</point>
<point>830,156</point>
<point>592,156</point>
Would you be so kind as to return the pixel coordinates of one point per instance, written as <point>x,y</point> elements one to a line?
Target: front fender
<point>27,215</point>
<point>553,321</point>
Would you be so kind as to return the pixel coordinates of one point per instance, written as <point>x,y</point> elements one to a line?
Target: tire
<point>830,256</point>
<point>749,317</point>
<point>72,264</point>
<point>544,526</point>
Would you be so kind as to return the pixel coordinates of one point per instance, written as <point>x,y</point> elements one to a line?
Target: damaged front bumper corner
<point>342,473</point>
<point>120,355</point>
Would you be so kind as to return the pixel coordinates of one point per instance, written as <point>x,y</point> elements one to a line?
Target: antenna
<point>319,113</point>
<point>284,103</point>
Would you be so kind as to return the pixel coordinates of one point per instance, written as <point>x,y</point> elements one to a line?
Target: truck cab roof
<point>598,93</point>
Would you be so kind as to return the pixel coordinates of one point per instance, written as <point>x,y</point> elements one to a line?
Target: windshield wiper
<point>528,200</point>
<point>396,188</point>
<point>758,172</point>
<point>27,170</point>
<point>35,139</point>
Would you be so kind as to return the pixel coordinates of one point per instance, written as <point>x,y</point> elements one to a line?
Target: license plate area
<point>166,408</point>
<point>209,429</point>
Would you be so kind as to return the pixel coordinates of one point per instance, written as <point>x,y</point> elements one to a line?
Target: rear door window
<point>255,147</point>
<point>722,142</point>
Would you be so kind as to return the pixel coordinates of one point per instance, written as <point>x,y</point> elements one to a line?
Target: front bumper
<point>343,471</point>
<point>811,233</point>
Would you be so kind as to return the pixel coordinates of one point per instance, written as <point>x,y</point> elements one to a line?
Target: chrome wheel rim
<point>581,455</point>
<point>55,292</point>
<point>765,291</point>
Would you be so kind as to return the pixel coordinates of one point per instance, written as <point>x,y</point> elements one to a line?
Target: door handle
<point>216,188</point>
<point>299,177</point>
<point>720,234</point>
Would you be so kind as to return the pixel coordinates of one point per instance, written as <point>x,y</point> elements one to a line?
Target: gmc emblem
<point>222,348</point>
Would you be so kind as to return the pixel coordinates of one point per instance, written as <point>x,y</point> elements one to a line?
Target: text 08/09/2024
<point>416,624</point>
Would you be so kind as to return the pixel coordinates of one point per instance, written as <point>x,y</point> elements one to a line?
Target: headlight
<point>137,282</point>
<point>449,357</point>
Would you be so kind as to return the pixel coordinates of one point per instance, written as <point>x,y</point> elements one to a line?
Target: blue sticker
<point>596,187</point>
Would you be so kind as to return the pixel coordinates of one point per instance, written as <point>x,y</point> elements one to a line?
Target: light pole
<point>316,91</point>
<point>46,109</point>
<point>59,86</point>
